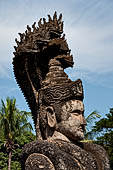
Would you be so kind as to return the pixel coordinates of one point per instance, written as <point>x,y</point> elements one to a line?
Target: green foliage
<point>103,130</point>
<point>15,163</point>
<point>92,116</point>
<point>90,120</point>
<point>13,122</point>
<point>3,156</point>
<point>105,124</point>
<point>15,131</point>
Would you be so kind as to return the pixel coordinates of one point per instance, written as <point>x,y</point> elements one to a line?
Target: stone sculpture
<point>56,102</point>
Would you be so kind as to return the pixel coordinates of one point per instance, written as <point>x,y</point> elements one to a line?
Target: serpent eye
<point>54,34</point>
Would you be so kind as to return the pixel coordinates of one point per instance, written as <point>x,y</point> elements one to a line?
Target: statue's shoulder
<point>50,154</point>
<point>60,155</point>
<point>99,154</point>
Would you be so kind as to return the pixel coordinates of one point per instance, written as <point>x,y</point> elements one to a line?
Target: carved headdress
<point>41,56</point>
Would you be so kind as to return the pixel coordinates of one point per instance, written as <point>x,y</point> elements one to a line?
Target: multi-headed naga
<point>55,101</point>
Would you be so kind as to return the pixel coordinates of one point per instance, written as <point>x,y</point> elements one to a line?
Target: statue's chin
<point>76,137</point>
<point>80,135</point>
<point>72,136</point>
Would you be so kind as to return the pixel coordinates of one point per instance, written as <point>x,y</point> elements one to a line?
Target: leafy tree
<point>3,157</point>
<point>16,154</point>
<point>13,124</point>
<point>103,130</point>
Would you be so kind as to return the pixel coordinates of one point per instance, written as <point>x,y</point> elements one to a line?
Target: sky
<point>88,26</point>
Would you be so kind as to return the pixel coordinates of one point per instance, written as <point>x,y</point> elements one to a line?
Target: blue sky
<point>89,32</point>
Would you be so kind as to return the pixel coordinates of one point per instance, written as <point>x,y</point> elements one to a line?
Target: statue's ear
<point>51,117</point>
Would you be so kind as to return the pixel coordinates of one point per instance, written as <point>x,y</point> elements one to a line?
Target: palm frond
<point>92,116</point>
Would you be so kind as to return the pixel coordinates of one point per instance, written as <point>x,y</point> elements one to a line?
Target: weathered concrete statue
<point>56,102</point>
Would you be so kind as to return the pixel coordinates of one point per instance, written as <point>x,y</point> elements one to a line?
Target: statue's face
<point>72,122</point>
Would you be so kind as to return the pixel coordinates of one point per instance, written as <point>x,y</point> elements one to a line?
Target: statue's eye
<point>76,112</point>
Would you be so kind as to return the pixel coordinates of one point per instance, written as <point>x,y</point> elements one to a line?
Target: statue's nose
<point>83,121</point>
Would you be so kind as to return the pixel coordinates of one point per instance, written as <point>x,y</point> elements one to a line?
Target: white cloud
<point>4,72</point>
<point>92,46</point>
<point>87,26</point>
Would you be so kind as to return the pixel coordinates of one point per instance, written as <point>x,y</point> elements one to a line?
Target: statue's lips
<point>81,129</point>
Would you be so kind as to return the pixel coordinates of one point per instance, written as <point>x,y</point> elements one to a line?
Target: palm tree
<point>90,119</point>
<point>12,123</point>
